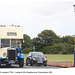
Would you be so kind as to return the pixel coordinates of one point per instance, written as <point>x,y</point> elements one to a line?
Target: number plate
<point>39,61</point>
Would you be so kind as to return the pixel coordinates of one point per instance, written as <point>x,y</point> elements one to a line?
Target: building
<point>11,36</point>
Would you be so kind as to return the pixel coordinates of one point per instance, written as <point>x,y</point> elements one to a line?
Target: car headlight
<point>45,59</point>
<point>18,53</point>
<point>7,57</point>
<point>4,54</point>
<point>33,58</point>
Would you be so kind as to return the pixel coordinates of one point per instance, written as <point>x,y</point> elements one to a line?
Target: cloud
<point>36,16</point>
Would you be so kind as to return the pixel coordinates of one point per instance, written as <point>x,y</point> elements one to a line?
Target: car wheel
<point>39,65</point>
<point>8,65</point>
<point>21,62</point>
<point>0,63</point>
<point>31,64</point>
<point>26,64</point>
<point>45,64</point>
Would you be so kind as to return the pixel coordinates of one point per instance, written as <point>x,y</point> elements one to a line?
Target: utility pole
<point>33,48</point>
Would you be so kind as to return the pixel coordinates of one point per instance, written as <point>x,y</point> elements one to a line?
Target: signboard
<point>74,39</point>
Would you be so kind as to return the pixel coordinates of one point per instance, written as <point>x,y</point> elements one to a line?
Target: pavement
<point>50,64</point>
<point>29,67</point>
<point>61,64</point>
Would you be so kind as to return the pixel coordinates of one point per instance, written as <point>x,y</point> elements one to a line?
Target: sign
<point>74,39</point>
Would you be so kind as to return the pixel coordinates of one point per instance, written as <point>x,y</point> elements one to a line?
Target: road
<point>29,67</point>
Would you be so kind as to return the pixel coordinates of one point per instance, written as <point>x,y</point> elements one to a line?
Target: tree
<point>27,50</point>
<point>68,39</point>
<point>45,38</point>
<point>61,48</point>
<point>27,41</point>
<point>49,43</point>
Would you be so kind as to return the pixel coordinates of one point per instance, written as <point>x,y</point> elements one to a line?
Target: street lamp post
<point>74,41</point>
<point>33,48</point>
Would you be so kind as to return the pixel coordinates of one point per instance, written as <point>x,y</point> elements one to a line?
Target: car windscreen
<point>37,54</point>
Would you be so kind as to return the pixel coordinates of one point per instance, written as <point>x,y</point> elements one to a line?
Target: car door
<point>28,58</point>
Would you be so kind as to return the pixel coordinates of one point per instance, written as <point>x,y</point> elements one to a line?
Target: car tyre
<point>31,64</point>
<point>39,64</point>
<point>45,64</point>
<point>0,63</point>
<point>8,65</point>
<point>26,64</point>
<point>21,62</point>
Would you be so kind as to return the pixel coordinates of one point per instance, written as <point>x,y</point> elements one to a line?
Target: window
<point>29,54</point>
<point>11,34</point>
<point>5,43</point>
<point>15,44</point>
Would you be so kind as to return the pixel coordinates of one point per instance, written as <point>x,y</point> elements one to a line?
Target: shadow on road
<point>28,67</point>
<point>12,66</point>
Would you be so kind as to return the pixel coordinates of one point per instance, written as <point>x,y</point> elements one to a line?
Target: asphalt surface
<point>29,67</point>
<point>61,64</point>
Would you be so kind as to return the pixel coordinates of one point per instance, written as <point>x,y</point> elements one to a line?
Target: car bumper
<point>5,61</point>
<point>39,62</point>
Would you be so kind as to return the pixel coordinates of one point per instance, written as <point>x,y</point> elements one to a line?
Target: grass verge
<point>57,57</point>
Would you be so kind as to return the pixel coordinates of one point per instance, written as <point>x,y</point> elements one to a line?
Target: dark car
<point>36,58</point>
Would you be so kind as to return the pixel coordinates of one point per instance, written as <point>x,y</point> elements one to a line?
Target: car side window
<point>29,54</point>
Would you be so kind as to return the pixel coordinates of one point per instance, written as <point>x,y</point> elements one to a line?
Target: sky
<point>38,15</point>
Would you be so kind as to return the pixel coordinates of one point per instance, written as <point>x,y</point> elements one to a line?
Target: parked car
<point>36,58</point>
<point>11,56</point>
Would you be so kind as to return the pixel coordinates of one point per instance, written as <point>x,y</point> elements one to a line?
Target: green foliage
<point>57,57</point>
<point>27,50</point>
<point>60,57</point>
<point>68,39</point>
<point>47,36</point>
<point>49,43</point>
<point>61,48</point>
<point>27,42</point>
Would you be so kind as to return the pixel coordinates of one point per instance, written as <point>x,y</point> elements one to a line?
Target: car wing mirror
<point>46,56</point>
<point>29,56</point>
